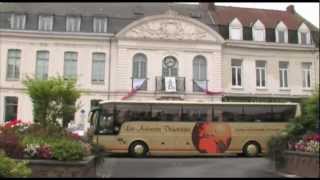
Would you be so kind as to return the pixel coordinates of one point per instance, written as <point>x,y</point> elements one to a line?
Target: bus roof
<point>193,102</point>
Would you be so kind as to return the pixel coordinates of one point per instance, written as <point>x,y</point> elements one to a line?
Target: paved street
<point>185,167</point>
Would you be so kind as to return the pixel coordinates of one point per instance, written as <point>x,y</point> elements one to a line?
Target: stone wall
<point>54,168</point>
<point>302,164</point>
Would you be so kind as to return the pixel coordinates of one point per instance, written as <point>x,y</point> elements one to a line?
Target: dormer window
<point>304,35</point>
<point>281,33</point>
<point>73,24</point>
<point>235,30</point>
<point>18,21</point>
<point>100,25</point>
<point>45,23</point>
<point>258,30</point>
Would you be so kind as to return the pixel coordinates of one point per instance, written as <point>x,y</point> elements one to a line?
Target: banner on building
<point>170,84</point>
<point>203,86</point>
<point>137,84</point>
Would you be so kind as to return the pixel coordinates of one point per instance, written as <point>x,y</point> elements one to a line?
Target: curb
<point>288,175</point>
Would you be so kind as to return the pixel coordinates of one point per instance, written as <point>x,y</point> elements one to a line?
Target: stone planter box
<point>303,164</point>
<point>54,168</point>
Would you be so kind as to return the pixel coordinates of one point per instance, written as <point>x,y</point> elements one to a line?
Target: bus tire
<point>138,149</point>
<point>251,149</point>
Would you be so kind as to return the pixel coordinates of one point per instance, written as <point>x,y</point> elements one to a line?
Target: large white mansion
<point>248,54</point>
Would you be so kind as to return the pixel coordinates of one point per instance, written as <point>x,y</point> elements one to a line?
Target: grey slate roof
<point>119,14</point>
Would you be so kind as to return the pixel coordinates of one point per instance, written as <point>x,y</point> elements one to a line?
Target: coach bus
<point>188,128</point>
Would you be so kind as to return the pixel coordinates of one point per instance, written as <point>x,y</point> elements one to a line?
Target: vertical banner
<point>170,84</point>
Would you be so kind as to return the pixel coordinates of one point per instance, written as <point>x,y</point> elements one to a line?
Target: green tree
<point>52,99</point>
<point>308,122</point>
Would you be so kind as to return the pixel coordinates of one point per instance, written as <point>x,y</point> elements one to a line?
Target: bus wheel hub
<point>252,149</point>
<point>138,149</point>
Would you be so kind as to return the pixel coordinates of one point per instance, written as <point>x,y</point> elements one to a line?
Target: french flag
<point>203,86</point>
<point>137,84</point>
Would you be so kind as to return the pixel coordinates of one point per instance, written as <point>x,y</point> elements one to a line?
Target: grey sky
<point>309,11</point>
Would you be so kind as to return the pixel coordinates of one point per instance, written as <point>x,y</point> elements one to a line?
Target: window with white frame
<point>281,33</point>
<point>258,31</point>
<point>304,34</point>
<point>18,21</point>
<point>13,64</point>
<point>283,71</point>
<point>261,74</point>
<point>199,73</point>
<point>306,71</point>
<point>100,25</point>
<point>45,23</point>
<point>73,24</point>
<point>42,64</point>
<point>236,72</point>
<point>98,68</point>
<point>139,71</point>
<point>235,30</point>
<point>70,65</point>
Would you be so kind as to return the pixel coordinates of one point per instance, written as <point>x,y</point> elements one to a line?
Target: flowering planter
<point>303,164</point>
<point>55,168</point>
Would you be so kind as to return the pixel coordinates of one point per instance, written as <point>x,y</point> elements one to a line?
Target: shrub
<point>10,143</point>
<point>44,152</point>
<point>67,150</point>
<point>276,146</point>
<point>52,99</point>
<point>11,168</point>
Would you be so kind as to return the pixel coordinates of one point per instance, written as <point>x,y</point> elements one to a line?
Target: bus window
<point>230,113</point>
<point>218,113</point>
<point>166,112</point>
<point>258,113</point>
<point>132,112</point>
<point>283,113</point>
<point>196,113</point>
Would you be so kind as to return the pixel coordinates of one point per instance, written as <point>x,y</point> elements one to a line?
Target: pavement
<point>193,167</point>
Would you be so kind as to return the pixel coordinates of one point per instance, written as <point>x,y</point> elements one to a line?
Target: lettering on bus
<point>165,129</point>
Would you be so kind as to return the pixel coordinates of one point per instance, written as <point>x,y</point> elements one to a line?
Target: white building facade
<point>169,43</point>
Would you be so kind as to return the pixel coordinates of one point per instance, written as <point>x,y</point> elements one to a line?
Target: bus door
<point>105,130</point>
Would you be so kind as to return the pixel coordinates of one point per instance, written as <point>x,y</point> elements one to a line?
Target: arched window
<point>304,34</point>
<point>170,66</point>
<point>139,72</point>
<point>235,30</point>
<point>258,31</point>
<point>281,33</point>
<point>199,73</point>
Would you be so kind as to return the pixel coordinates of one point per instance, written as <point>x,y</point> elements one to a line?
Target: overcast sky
<point>309,11</point>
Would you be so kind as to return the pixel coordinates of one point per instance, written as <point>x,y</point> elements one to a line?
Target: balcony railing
<point>180,84</point>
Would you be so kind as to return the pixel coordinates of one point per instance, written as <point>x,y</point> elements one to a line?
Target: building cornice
<point>55,35</point>
<point>269,45</point>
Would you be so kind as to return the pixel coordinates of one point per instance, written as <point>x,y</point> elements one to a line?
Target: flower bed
<point>302,159</point>
<point>34,142</point>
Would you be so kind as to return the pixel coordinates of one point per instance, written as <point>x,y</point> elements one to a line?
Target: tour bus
<point>188,128</point>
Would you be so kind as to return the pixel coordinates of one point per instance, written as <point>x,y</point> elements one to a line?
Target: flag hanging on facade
<point>137,84</point>
<point>203,86</point>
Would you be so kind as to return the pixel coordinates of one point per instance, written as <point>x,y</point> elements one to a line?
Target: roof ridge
<point>251,8</point>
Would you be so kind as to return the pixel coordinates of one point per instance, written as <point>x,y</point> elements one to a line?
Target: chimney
<point>207,6</point>
<point>290,9</point>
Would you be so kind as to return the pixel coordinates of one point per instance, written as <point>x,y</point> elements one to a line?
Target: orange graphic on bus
<point>210,137</point>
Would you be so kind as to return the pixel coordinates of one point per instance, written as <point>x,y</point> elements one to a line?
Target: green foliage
<point>52,99</point>
<point>11,168</point>
<point>307,122</point>
<point>67,150</point>
<point>276,146</point>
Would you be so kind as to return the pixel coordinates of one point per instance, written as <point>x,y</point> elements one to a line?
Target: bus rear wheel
<point>138,149</point>
<point>251,149</point>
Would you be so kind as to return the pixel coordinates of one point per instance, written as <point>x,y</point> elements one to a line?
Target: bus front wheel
<point>251,149</point>
<point>138,149</point>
